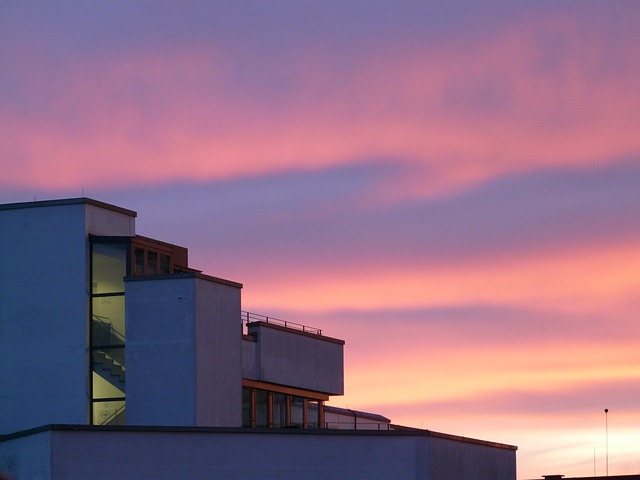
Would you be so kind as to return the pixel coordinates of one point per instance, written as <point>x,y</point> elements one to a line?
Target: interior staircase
<point>107,349</point>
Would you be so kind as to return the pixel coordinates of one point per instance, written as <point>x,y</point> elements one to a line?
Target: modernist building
<point>112,342</point>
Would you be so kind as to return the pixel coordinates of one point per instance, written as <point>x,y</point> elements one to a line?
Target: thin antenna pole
<point>594,461</point>
<point>606,433</point>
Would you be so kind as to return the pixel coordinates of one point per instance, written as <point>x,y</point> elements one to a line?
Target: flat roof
<point>180,276</point>
<point>409,432</point>
<point>68,201</point>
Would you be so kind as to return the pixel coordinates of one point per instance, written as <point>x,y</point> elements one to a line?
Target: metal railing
<point>114,416</point>
<point>249,317</point>
<point>105,325</point>
<point>360,425</point>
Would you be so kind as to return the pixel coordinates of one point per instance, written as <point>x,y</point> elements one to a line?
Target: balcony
<point>291,354</point>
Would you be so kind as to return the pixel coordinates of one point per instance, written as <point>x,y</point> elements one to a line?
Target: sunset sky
<point>453,188</point>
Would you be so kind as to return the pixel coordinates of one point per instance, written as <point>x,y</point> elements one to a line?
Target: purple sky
<point>453,188</point>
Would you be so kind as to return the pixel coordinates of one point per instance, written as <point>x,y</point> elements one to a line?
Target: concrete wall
<point>44,363</point>
<point>44,305</point>
<point>183,352</point>
<point>104,221</point>
<point>455,459</point>
<point>250,358</point>
<point>236,453</point>
<point>218,354</point>
<point>298,359</point>
<point>160,350</point>
<point>27,457</point>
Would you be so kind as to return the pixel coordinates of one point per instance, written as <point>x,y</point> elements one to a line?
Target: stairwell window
<point>109,261</point>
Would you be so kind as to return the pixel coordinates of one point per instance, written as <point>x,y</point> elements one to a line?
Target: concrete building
<point>110,341</point>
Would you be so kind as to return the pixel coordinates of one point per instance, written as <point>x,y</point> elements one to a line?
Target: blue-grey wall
<point>43,317</point>
<point>44,309</point>
<point>296,359</point>
<point>183,352</point>
<point>27,457</point>
<point>160,350</point>
<point>237,454</point>
<point>454,459</point>
<point>218,354</point>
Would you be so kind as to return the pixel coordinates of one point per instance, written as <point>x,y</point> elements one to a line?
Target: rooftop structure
<point>112,339</point>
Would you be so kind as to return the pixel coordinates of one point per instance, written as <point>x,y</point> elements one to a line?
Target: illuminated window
<point>109,262</point>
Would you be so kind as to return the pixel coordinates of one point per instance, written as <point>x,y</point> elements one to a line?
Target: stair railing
<point>114,415</point>
<point>106,325</point>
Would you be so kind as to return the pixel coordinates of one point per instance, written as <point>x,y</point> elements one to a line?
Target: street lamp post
<point>606,433</point>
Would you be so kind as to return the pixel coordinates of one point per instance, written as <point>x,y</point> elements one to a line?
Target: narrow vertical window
<point>279,410</point>
<point>108,269</point>
<point>313,414</point>
<point>165,264</point>
<point>247,407</point>
<point>138,260</point>
<point>262,408</point>
<point>152,263</point>
<point>297,411</point>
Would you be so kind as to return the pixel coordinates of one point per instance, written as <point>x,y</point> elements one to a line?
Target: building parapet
<point>250,317</point>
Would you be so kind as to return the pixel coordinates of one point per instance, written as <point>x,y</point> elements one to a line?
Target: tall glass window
<point>313,414</point>
<point>279,410</point>
<point>247,416</point>
<point>108,268</point>
<point>138,261</point>
<point>262,408</point>
<point>273,409</point>
<point>297,411</point>
<point>152,263</point>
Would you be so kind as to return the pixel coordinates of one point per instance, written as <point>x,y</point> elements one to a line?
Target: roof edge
<point>68,201</point>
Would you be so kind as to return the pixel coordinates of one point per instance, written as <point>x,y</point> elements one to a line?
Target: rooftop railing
<point>249,317</point>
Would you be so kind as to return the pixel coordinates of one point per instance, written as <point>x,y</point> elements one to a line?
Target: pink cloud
<point>561,279</point>
<point>512,101</point>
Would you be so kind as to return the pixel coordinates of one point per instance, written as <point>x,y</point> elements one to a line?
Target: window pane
<point>138,261</point>
<point>109,264</point>
<point>109,413</point>
<point>279,410</point>
<point>165,264</point>
<point>108,325</point>
<point>152,263</point>
<point>246,407</point>
<point>297,408</point>
<point>313,414</point>
<point>262,408</point>
<point>109,367</point>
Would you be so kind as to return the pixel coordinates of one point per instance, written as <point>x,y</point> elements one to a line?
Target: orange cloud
<point>594,278</point>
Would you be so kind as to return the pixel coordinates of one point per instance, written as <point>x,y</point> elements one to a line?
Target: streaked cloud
<point>523,97</point>
<point>452,188</point>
